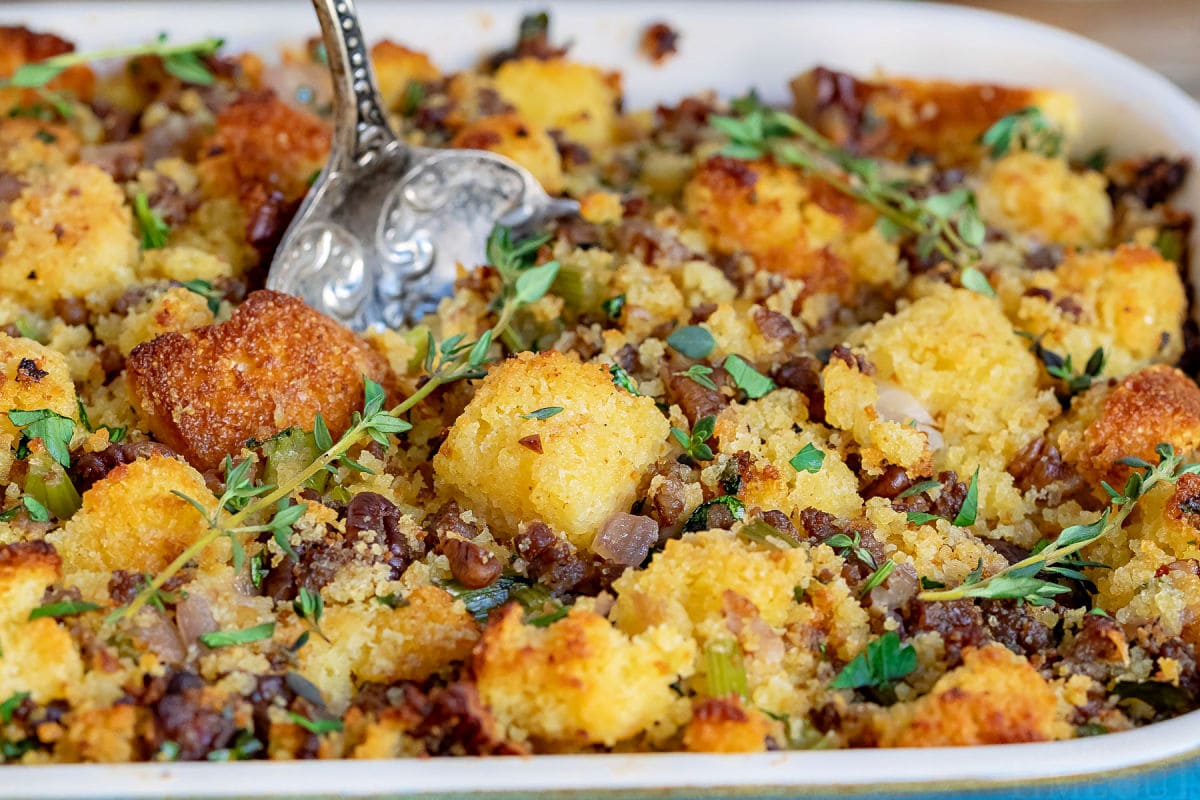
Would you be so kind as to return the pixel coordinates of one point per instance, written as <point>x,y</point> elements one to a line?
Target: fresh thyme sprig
<point>946,223</point>
<point>1030,129</point>
<point>453,360</point>
<point>1020,582</point>
<point>184,61</point>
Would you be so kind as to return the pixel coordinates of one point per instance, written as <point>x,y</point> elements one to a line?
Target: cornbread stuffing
<point>863,422</point>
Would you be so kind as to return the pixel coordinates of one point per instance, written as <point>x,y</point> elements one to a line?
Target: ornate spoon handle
<point>361,130</point>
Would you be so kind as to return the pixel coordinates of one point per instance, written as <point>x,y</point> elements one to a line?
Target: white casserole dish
<point>729,47</point>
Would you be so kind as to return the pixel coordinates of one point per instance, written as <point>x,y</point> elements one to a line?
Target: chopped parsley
<point>692,341</point>
<point>52,428</point>
<point>205,290</point>
<point>154,229</point>
<point>877,669</point>
<point>809,459</point>
<point>1028,129</point>
<point>747,378</point>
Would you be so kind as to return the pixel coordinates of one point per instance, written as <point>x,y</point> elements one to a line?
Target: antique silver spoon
<point>378,238</point>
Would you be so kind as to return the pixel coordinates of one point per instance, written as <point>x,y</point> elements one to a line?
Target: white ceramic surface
<point>730,47</point>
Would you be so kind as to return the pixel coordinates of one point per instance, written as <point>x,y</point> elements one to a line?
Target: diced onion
<point>896,405</point>
<point>625,539</point>
<point>194,617</point>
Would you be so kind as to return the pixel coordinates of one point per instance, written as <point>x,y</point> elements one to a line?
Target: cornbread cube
<point>588,459</point>
<point>131,520</point>
<point>725,725</point>
<point>263,154</point>
<point>790,225</point>
<point>577,99</point>
<point>275,363</point>
<point>101,736</point>
<point>956,354</point>
<point>371,642</point>
<point>995,697</point>
<point>899,117</point>
<point>40,656</point>
<point>20,46</point>
<point>182,263</point>
<point>32,376</point>
<point>526,143</point>
<point>1043,198</point>
<point>27,145</point>
<point>1156,404</point>
<point>396,66</point>
<point>71,236</point>
<point>579,680</point>
<point>684,585</point>
<point>1129,301</point>
<point>177,309</point>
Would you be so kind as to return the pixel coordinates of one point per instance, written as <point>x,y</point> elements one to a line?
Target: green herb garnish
<point>694,444</point>
<point>692,341</point>
<point>1028,129</point>
<point>843,543</point>
<point>877,577</point>
<point>1019,582</point>
<point>10,706</point>
<point>154,229</point>
<point>698,520</point>
<point>52,428</point>
<point>543,413</point>
<point>613,306</point>
<point>919,488</point>
<point>879,667</point>
<point>948,224</point>
<point>205,290</point>
<point>217,639</point>
<point>699,373</point>
<point>747,378</point>
<point>809,459</point>
<point>317,726</point>
<point>65,608</point>
<point>622,380</point>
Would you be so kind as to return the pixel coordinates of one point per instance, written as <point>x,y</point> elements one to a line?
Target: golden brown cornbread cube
<point>579,680</point>
<point>526,143</point>
<point>275,363</point>
<point>32,376</point>
<point>40,657</point>
<point>955,353</point>
<point>71,235</point>
<point>588,459</point>
<point>263,153</point>
<point>29,145</point>
<point>176,310</point>
<point>995,697</point>
<point>725,725</point>
<point>396,66</point>
<point>1156,404</point>
<point>373,643</point>
<point>791,226</point>
<point>1043,198</point>
<point>131,520</point>
<point>101,736</point>
<point>1130,301</point>
<point>898,117</point>
<point>577,99</point>
<point>20,46</point>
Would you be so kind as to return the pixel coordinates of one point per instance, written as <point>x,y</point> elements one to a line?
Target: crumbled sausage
<point>659,42</point>
<point>181,716</point>
<point>91,467</point>
<point>471,564</point>
<point>958,622</point>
